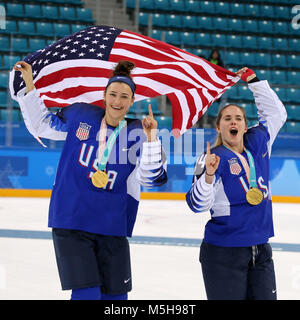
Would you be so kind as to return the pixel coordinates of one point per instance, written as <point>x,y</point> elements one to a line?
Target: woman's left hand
<point>150,125</point>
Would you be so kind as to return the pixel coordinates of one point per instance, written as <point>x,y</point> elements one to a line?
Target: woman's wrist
<point>29,88</point>
<point>210,175</point>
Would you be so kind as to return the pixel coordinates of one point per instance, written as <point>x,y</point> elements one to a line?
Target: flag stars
<point>81,54</point>
<point>66,48</point>
<point>63,56</point>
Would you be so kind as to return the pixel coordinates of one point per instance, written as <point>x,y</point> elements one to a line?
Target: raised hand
<point>246,74</point>
<point>211,161</point>
<point>150,125</point>
<point>26,70</point>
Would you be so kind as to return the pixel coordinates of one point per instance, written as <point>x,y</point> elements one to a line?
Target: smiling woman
<point>95,197</point>
<point>119,93</point>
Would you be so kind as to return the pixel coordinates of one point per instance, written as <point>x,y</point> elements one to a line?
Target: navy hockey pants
<point>238,273</point>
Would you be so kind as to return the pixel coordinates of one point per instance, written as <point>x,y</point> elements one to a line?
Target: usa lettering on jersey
<point>84,160</point>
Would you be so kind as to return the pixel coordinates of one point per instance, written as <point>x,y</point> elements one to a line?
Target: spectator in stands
<point>95,196</point>
<point>215,58</point>
<point>232,180</point>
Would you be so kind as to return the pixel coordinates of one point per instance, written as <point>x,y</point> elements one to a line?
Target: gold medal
<point>99,179</point>
<point>254,196</point>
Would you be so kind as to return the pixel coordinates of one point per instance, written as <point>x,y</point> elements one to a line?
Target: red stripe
<point>198,70</point>
<point>69,93</point>
<point>149,52</point>
<point>159,53</point>
<point>176,113</point>
<point>146,91</point>
<point>71,72</point>
<point>52,104</point>
<point>192,107</point>
<point>163,46</point>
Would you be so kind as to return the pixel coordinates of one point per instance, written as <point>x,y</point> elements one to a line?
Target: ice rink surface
<point>164,252</point>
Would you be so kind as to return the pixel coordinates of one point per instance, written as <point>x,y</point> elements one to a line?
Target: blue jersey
<point>75,202</point>
<point>234,222</point>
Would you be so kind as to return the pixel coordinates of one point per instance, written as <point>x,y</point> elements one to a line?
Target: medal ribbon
<point>105,148</point>
<point>252,181</point>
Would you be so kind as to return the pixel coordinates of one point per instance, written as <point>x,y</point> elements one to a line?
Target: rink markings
<point>145,240</point>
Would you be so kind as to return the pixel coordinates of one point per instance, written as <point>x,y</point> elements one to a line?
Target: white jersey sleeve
<point>202,194</point>
<point>37,117</point>
<point>271,111</point>
<point>151,171</point>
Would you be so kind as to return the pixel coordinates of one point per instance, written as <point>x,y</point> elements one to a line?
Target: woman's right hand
<point>211,163</point>
<point>26,70</point>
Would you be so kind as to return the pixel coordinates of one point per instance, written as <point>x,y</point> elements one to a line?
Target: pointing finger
<point>208,148</point>
<point>150,110</point>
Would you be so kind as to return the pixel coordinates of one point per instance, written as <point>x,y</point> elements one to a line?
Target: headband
<point>124,79</point>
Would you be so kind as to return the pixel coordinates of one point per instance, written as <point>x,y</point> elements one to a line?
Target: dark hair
<point>212,52</point>
<point>121,73</point>
<point>123,68</point>
<point>219,59</point>
<point>219,140</point>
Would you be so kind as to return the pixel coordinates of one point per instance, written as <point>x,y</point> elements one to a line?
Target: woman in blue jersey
<point>96,193</point>
<point>232,181</point>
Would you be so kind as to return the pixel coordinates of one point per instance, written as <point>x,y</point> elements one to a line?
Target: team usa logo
<point>234,166</point>
<point>83,131</point>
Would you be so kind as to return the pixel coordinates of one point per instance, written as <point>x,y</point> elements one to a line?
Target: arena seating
<point>258,34</point>
<point>30,26</point>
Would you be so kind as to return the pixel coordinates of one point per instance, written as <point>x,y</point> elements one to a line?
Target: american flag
<point>76,69</point>
<point>234,166</point>
<point>83,131</point>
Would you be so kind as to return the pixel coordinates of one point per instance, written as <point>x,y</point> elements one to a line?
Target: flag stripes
<point>77,67</point>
